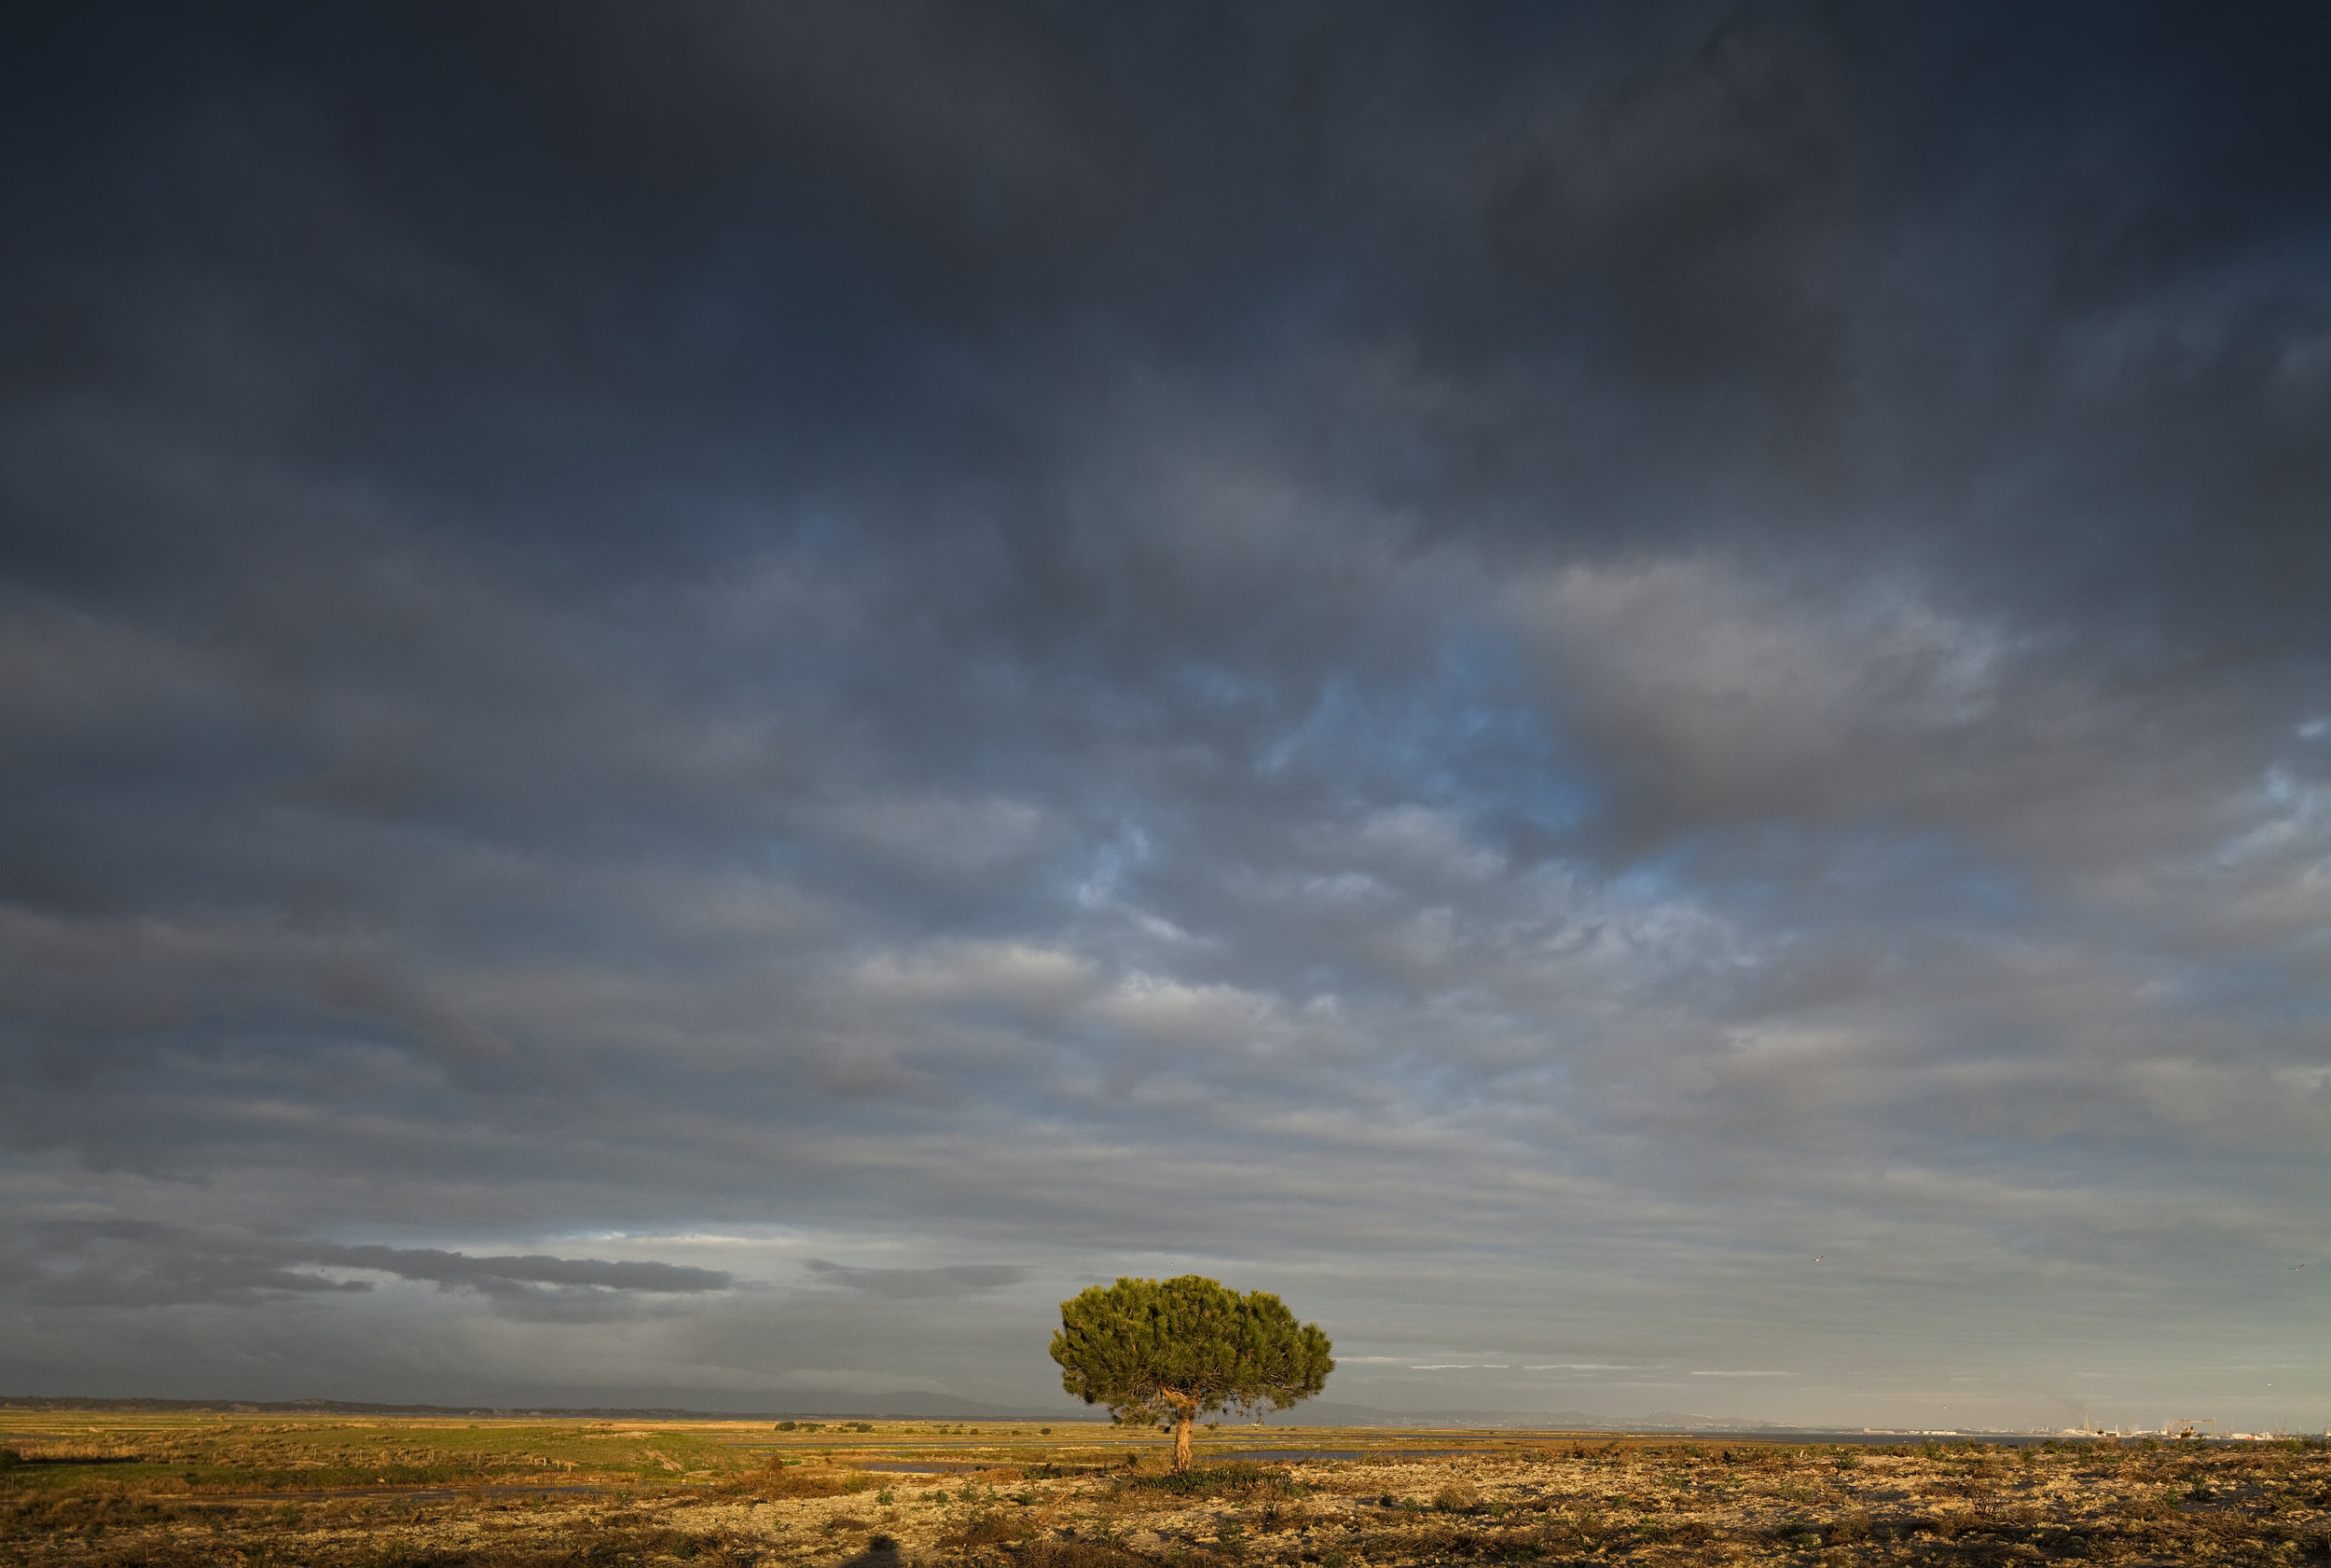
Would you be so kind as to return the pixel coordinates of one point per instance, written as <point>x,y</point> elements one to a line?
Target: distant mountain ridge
<point>910,1405</point>
<point>902,1406</point>
<point>1329,1412</point>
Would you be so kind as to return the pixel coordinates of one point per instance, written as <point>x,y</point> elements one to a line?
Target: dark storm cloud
<point>1586,649</point>
<point>116,1263</point>
<point>497,1273</point>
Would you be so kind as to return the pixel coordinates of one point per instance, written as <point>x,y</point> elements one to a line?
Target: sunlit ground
<point>103,1488</point>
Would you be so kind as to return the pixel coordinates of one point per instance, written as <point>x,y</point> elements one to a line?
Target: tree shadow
<point>880,1552</point>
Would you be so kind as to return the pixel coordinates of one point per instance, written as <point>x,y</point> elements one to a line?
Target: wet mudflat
<point>1107,1504</point>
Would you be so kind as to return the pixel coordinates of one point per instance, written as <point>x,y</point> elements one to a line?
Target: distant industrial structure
<point>2175,1429</point>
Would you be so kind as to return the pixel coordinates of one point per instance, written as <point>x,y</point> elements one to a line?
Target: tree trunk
<point>1181,1440</point>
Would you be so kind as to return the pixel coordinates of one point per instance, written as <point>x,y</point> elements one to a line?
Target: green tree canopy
<point>1173,1350</point>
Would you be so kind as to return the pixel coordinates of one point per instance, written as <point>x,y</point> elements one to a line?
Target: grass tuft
<point>1458,1497</point>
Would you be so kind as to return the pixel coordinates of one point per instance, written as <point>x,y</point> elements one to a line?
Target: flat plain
<point>111,1490</point>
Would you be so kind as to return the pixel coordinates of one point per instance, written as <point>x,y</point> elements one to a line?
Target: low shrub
<point>800,1481</point>
<point>1458,1497</point>
<point>1077,1554</point>
<point>990,1530</point>
<point>1216,1480</point>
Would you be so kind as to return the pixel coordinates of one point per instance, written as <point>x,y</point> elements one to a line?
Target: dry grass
<point>110,1495</point>
<point>803,1480</point>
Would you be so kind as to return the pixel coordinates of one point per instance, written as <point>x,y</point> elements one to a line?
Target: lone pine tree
<point>1173,1350</point>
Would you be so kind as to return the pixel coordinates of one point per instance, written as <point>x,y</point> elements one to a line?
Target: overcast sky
<point>699,702</point>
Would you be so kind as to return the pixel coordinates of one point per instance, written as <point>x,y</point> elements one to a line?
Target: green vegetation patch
<point>340,1456</point>
<point>1235,1479</point>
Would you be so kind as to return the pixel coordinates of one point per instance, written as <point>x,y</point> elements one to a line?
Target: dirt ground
<point>791,1501</point>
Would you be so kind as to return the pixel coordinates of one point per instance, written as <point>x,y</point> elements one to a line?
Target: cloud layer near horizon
<point>707,705</point>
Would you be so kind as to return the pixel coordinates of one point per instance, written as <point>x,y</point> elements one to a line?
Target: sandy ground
<point>1647,1504</point>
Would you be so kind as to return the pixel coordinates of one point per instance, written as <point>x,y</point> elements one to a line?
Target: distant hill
<point>901,1406</point>
<point>1328,1412</point>
<point>908,1404</point>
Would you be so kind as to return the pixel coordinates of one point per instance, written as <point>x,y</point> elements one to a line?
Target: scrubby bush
<point>1077,1554</point>
<point>1216,1480</point>
<point>990,1530</point>
<point>799,1480</point>
<point>1458,1497</point>
<point>1853,1527</point>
